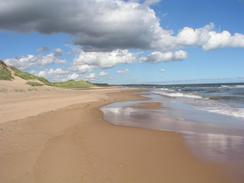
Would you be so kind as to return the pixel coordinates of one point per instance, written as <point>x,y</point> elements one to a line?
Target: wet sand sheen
<point>149,105</point>
<point>207,141</point>
<point>75,144</point>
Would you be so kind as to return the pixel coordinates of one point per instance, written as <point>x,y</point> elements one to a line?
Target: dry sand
<point>74,144</point>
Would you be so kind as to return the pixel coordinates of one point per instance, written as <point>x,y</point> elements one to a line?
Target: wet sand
<point>149,105</point>
<point>74,144</point>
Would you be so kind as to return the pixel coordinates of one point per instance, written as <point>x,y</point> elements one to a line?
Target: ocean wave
<point>232,86</point>
<point>239,86</point>
<point>231,97</point>
<point>177,94</point>
<point>167,89</point>
<point>228,111</point>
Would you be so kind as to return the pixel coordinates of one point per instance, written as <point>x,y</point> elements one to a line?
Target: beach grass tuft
<point>73,84</point>
<point>34,83</point>
<point>5,73</point>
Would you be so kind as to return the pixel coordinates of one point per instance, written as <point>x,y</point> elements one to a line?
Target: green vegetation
<point>34,83</point>
<point>23,75</point>
<point>43,80</point>
<point>28,76</point>
<point>19,90</point>
<point>73,84</point>
<point>5,73</point>
<point>32,89</point>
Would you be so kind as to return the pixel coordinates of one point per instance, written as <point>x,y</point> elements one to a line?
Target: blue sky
<point>222,63</point>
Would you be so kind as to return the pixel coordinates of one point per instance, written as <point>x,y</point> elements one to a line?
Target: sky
<point>120,42</point>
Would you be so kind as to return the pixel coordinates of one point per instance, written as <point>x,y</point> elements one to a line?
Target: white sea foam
<point>228,111</point>
<point>226,86</point>
<point>232,86</point>
<point>210,106</point>
<point>239,86</point>
<point>167,89</point>
<point>172,93</point>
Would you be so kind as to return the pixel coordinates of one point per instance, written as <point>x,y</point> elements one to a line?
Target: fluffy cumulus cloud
<point>122,71</point>
<point>104,59</point>
<point>108,25</point>
<point>52,72</point>
<point>73,76</point>
<point>28,61</point>
<point>106,31</point>
<point>151,2</point>
<point>58,52</point>
<point>96,24</point>
<point>156,57</point>
<point>82,68</point>
<point>162,70</point>
<point>70,73</point>
<point>90,76</point>
<point>103,73</point>
<point>43,49</point>
<point>87,61</point>
<point>59,74</point>
<point>224,39</point>
<point>208,38</point>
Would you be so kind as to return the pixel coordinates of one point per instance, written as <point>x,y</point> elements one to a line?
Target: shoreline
<point>75,144</point>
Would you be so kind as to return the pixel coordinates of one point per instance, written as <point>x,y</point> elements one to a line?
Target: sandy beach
<point>121,91</point>
<point>60,136</point>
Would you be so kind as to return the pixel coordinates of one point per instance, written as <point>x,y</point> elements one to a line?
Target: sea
<point>226,99</point>
<point>210,117</point>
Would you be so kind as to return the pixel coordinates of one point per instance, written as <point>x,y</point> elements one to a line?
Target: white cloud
<point>105,59</point>
<point>60,74</point>
<point>87,61</point>
<point>162,70</point>
<point>188,36</point>
<point>58,71</point>
<point>122,71</point>
<point>58,52</point>
<point>43,49</point>
<point>223,40</point>
<point>151,2</point>
<point>95,24</point>
<point>180,55</point>
<point>28,61</point>
<point>91,76</point>
<point>105,30</point>
<point>53,73</point>
<point>73,76</point>
<point>103,73</point>
<point>156,57</point>
<point>41,74</point>
<point>107,25</point>
<point>82,68</point>
<point>208,38</point>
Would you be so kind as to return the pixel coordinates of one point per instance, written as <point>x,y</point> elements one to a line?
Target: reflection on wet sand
<point>207,140</point>
<point>219,147</point>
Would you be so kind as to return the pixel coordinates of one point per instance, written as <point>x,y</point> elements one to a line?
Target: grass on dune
<point>73,84</point>
<point>23,75</point>
<point>34,83</point>
<point>28,76</point>
<point>5,73</point>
